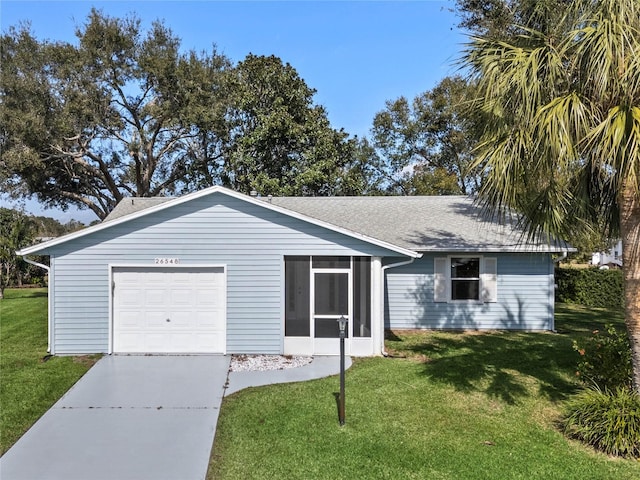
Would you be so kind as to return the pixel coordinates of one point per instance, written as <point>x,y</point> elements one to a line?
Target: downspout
<point>386,267</point>
<point>49,316</point>
<point>565,253</point>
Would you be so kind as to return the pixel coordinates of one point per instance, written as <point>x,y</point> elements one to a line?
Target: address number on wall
<point>166,261</point>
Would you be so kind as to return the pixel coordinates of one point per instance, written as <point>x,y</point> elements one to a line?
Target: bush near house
<point>605,359</point>
<point>608,420</point>
<point>590,287</point>
<point>605,415</point>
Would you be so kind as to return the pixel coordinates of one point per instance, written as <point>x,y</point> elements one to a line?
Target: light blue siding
<point>524,288</point>
<point>249,240</point>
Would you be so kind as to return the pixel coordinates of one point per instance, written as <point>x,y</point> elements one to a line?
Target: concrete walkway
<point>320,367</point>
<point>139,418</point>
<point>128,418</point>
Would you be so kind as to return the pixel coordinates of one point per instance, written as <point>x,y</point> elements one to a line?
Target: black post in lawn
<point>342,323</point>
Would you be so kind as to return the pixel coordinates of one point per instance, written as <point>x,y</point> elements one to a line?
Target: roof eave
<point>480,249</point>
<point>208,191</point>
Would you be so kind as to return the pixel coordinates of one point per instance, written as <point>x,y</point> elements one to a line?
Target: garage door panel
<point>183,319</point>
<point>204,323</point>
<point>128,341</point>
<point>181,296</point>
<point>131,297</point>
<point>131,319</point>
<point>157,277</point>
<point>154,297</point>
<point>193,302</point>
<point>211,341</point>
<point>154,320</point>
<point>206,296</point>
<point>155,342</point>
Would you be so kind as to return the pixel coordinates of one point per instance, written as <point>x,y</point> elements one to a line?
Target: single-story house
<point>610,258</point>
<point>217,271</point>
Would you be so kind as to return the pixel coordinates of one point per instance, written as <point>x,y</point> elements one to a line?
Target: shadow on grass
<point>578,320</point>
<point>499,363</point>
<point>506,365</point>
<point>336,396</point>
<point>22,293</point>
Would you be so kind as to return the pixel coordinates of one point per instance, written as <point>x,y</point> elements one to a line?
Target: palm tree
<point>562,139</point>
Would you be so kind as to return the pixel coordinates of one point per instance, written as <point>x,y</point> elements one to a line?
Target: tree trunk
<point>630,230</point>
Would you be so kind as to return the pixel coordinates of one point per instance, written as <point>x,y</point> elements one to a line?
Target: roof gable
<point>132,208</point>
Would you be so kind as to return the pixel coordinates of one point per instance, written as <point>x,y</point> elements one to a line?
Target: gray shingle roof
<point>418,223</point>
<point>134,204</point>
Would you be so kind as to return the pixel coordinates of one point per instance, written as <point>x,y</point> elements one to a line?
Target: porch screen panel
<point>331,262</point>
<point>362,297</point>
<point>331,300</point>
<point>297,296</point>
<point>332,294</point>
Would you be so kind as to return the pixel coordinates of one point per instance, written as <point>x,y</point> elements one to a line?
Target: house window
<point>465,278</point>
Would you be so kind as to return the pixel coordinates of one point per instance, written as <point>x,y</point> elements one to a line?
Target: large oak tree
<point>125,112</point>
<point>112,116</point>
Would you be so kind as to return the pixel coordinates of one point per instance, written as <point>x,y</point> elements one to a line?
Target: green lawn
<point>446,406</point>
<point>28,384</point>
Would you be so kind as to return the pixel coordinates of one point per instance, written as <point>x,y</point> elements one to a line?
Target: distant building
<point>609,258</point>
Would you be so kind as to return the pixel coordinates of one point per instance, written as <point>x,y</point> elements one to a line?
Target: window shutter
<point>440,280</point>
<point>490,280</point>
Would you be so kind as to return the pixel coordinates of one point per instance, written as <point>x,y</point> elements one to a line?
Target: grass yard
<point>29,385</point>
<point>446,406</point>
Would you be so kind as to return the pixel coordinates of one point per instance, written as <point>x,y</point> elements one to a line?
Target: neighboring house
<point>608,258</point>
<point>217,271</point>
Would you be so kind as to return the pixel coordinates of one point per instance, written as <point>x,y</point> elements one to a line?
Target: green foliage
<point>30,385</point>
<point>112,115</point>
<point>16,231</point>
<point>276,140</point>
<point>560,95</point>
<point>425,147</point>
<point>608,420</point>
<point>590,287</point>
<point>446,405</point>
<point>19,230</point>
<point>124,112</point>
<point>502,18</point>
<point>564,92</point>
<point>605,359</point>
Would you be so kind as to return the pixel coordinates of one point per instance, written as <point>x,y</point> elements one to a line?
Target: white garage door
<point>169,310</point>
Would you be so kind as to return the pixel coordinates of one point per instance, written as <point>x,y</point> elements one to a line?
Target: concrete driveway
<point>128,418</point>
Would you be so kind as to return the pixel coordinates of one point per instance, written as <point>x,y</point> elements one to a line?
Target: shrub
<point>605,359</point>
<point>607,420</point>
<point>590,287</point>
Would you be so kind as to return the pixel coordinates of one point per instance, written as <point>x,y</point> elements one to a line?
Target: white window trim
<point>487,279</point>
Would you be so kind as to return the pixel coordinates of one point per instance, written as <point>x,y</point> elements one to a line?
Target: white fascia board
<point>514,249</point>
<point>209,191</point>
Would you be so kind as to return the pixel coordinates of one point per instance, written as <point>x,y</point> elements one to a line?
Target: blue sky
<point>356,55</point>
